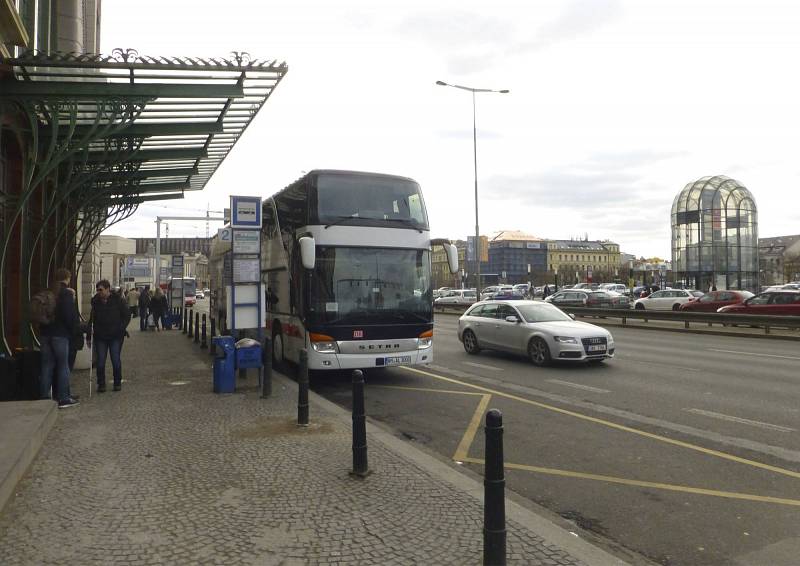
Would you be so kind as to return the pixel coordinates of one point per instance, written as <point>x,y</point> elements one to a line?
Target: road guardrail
<point>710,318</point>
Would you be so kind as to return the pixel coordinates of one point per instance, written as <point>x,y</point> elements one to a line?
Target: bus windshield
<point>370,286</point>
<point>367,199</point>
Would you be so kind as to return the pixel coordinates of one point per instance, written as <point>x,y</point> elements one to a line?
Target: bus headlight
<point>425,340</point>
<point>323,343</point>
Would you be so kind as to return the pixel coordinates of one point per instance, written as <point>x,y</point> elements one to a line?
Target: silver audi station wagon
<point>537,329</point>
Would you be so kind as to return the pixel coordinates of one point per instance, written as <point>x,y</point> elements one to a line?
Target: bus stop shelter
<point>86,138</point>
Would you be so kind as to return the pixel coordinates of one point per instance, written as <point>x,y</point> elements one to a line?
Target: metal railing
<point>766,322</point>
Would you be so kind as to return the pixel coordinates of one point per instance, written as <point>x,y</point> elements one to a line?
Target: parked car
<point>189,300</point>
<point>522,288</point>
<point>507,295</point>
<point>199,294</point>
<point>589,286</point>
<point>782,303</point>
<point>784,287</point>
<point>616,287</point>
<point>441,292</point>
<point>490,291</point>
<point>457,297</point>
<point>714,300</point>
<point>589,299</point>
<point>667,299</point>
<point>536,329</point>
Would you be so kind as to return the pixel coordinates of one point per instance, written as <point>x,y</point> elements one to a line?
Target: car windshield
<point>370,285</point>
<point>542,313</point>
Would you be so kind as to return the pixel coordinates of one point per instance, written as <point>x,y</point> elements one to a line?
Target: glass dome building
<point>715,235</point>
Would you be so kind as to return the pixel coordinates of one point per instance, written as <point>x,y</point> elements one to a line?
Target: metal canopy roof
<point>130,128</point>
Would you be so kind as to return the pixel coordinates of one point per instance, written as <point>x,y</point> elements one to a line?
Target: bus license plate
<point>393,361</point>
<point>598,348</point>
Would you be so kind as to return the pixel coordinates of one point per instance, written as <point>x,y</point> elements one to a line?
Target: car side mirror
<point>512,318</point>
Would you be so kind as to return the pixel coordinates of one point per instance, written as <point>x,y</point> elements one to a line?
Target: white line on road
<point>578,386</point>
<point>473,364</point>
<point>740,420</point>
<point>754,354</point>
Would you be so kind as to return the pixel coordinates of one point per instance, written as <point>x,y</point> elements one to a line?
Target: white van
<point>457,297</point>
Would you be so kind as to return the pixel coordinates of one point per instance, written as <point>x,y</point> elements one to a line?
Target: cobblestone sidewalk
<point>167,472</point>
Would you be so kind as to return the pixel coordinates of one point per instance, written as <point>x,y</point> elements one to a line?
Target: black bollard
<point>266,362</point>
<point>302,382</point>
<point>494,504</point>
<point>203,339</point>
<point>184,326</point>
<point>191,319</point>
<point>213,349</point>
<point>197,328</point>
<point>360,465</point>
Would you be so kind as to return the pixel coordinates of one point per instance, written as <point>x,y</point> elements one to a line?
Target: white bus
<point>346,265</point>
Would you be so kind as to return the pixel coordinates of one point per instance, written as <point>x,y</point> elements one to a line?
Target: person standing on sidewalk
<point>133,301</point>
<point>158,308</point>
<point>109,320</point>
<point>55,342</point>
<point>144,304</point>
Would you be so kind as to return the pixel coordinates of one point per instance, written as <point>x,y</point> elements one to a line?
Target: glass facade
<point>715,235</point>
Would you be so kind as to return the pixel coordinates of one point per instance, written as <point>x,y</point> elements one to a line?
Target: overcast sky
<point>615,105</point>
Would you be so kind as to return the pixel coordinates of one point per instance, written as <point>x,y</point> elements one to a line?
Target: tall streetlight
<point>475,160</point>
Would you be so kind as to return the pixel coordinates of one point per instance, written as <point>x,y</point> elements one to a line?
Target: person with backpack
<point>144,304</point>
<point>158,308</point>
<point>108,322</point>
<point>55,313</point>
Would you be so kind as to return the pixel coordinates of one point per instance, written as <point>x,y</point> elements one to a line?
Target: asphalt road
<point>684,448</point>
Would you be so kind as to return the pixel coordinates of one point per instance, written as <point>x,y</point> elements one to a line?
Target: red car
<point>784,303</point>
<point>714,300</point>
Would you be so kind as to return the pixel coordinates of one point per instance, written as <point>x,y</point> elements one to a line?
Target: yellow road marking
<point>638,483</point>
<point>610,424</point>
<point>453,391</point>
<point>466,441</point>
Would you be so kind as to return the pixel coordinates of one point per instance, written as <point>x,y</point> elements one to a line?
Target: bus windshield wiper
<point>401,220</point>
<point>341,219</point>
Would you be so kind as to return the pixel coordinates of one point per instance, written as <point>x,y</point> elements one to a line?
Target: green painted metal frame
<point>98,127</point>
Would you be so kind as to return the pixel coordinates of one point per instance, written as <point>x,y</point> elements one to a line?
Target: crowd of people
<point>62,334</point>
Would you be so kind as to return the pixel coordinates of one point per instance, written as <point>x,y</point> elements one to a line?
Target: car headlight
<point>425,340</point>
<point>565,339</point>
<point>610,340</point>
<point>323,343</point>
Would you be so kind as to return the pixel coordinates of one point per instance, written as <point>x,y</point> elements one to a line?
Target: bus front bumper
<point>324,361</point>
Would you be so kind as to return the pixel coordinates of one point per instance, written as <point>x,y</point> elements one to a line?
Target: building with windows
<point>440,269</point>
<point>779,259</point>
<point>517,257</point>
<point>715,235</point>
<point>576,261</point>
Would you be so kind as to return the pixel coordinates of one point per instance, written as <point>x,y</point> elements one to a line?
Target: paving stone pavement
<point>167,472</point>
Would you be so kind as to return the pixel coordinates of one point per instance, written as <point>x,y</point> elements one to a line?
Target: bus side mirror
<point>452,257</point>
<point>308,251</point>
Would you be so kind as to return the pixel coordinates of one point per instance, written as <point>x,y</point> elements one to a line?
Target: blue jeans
<point>114,347</point>
<point>55,362</point>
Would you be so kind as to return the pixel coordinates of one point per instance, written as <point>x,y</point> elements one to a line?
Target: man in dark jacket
<point>144,303</point>
<point>55,338</point>
<point>109,320</point>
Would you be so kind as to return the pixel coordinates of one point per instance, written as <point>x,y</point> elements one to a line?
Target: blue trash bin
<point>224,364</point>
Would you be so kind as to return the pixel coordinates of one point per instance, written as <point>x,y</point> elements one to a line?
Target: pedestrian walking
<point>55,312</point>
<point>133,301</point>
<point>109,320</point>
<point>158,308</point>
<point>144,305</point>
<point>546,291</point>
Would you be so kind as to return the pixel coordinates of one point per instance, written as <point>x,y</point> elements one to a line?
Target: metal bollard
<point>494,505</point>
<point>266,363</point>
<point>197,328</point>
<point>360,464</point>
<point>213,349</point>
<point>191,328</point>
<point>302,382</point>
<point>203,340</point>
<point>184,326</point>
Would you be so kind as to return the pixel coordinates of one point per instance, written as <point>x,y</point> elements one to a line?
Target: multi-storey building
<point>779,259</point>
<point>516,257</point>
<point>577,261</point>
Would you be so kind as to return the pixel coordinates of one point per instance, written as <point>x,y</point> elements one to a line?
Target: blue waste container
<point>224,364</point>
<point>248,354</point>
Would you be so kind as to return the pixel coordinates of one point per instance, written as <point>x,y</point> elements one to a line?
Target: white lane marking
<point>578,386</point>
<point>754,354</point>
<point>473,364</point>
<point>739,420</point>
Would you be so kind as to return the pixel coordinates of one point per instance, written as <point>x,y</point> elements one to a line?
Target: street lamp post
<point>477,247</point>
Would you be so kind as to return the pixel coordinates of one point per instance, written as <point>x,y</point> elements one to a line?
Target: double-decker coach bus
<point>346,264</point>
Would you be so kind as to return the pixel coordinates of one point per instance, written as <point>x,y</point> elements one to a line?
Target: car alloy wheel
<point>639,307</point>
<point>676,306</point>
<point>471,343</point>
<point>538,352</point>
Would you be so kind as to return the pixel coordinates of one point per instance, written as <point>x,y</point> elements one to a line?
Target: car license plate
<point>596,348</point>
<point>393,361</point>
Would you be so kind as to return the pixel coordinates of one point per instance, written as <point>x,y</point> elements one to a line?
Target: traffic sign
<point>245,212</point>
<point>225,234</point>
